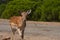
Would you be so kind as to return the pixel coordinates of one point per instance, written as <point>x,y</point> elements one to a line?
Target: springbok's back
<point>16,21</point>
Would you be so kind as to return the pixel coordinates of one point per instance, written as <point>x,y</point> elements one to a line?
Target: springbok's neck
<point>24,17</point>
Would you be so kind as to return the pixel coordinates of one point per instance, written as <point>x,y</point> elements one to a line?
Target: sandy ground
<point>29,37</point>
<point>34,30</point>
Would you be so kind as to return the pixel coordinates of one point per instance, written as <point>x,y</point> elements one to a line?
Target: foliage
<point>42,10</point>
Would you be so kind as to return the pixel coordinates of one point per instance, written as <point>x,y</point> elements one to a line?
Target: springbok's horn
<point>29,11</point>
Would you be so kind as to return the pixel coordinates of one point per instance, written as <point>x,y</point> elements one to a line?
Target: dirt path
<point>34,30</point>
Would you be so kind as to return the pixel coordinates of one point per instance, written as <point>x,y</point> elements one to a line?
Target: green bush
<point>42,10</point>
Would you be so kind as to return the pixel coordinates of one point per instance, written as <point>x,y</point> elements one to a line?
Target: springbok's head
<point>26,13</point>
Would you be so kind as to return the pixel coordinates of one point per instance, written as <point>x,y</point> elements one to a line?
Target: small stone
<point>8,38</point>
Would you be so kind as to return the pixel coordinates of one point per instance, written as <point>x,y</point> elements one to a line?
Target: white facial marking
<point>29,11</point>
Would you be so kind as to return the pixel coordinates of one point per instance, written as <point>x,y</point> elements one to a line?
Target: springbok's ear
<point>19,11</point>
<point>29,11</point>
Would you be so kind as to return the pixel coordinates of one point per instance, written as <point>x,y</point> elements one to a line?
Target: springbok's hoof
<point>21,39</point>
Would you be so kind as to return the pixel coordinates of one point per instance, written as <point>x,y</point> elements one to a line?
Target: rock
<point>8,38</point>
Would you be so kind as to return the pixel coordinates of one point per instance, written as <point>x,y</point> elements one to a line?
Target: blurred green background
<point>42,10</point>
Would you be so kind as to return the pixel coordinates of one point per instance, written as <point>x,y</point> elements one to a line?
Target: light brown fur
<point>18,23</point>
<point>16,20</point>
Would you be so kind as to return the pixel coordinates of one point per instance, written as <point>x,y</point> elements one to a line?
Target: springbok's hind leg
<point>13,30</point>
<point>13,34</point>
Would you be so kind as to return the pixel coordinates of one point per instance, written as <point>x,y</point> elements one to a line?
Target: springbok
<point>18,23</point>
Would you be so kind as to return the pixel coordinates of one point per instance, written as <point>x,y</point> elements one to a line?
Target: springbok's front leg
<point>22,36</point>
<point>19,32</point>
